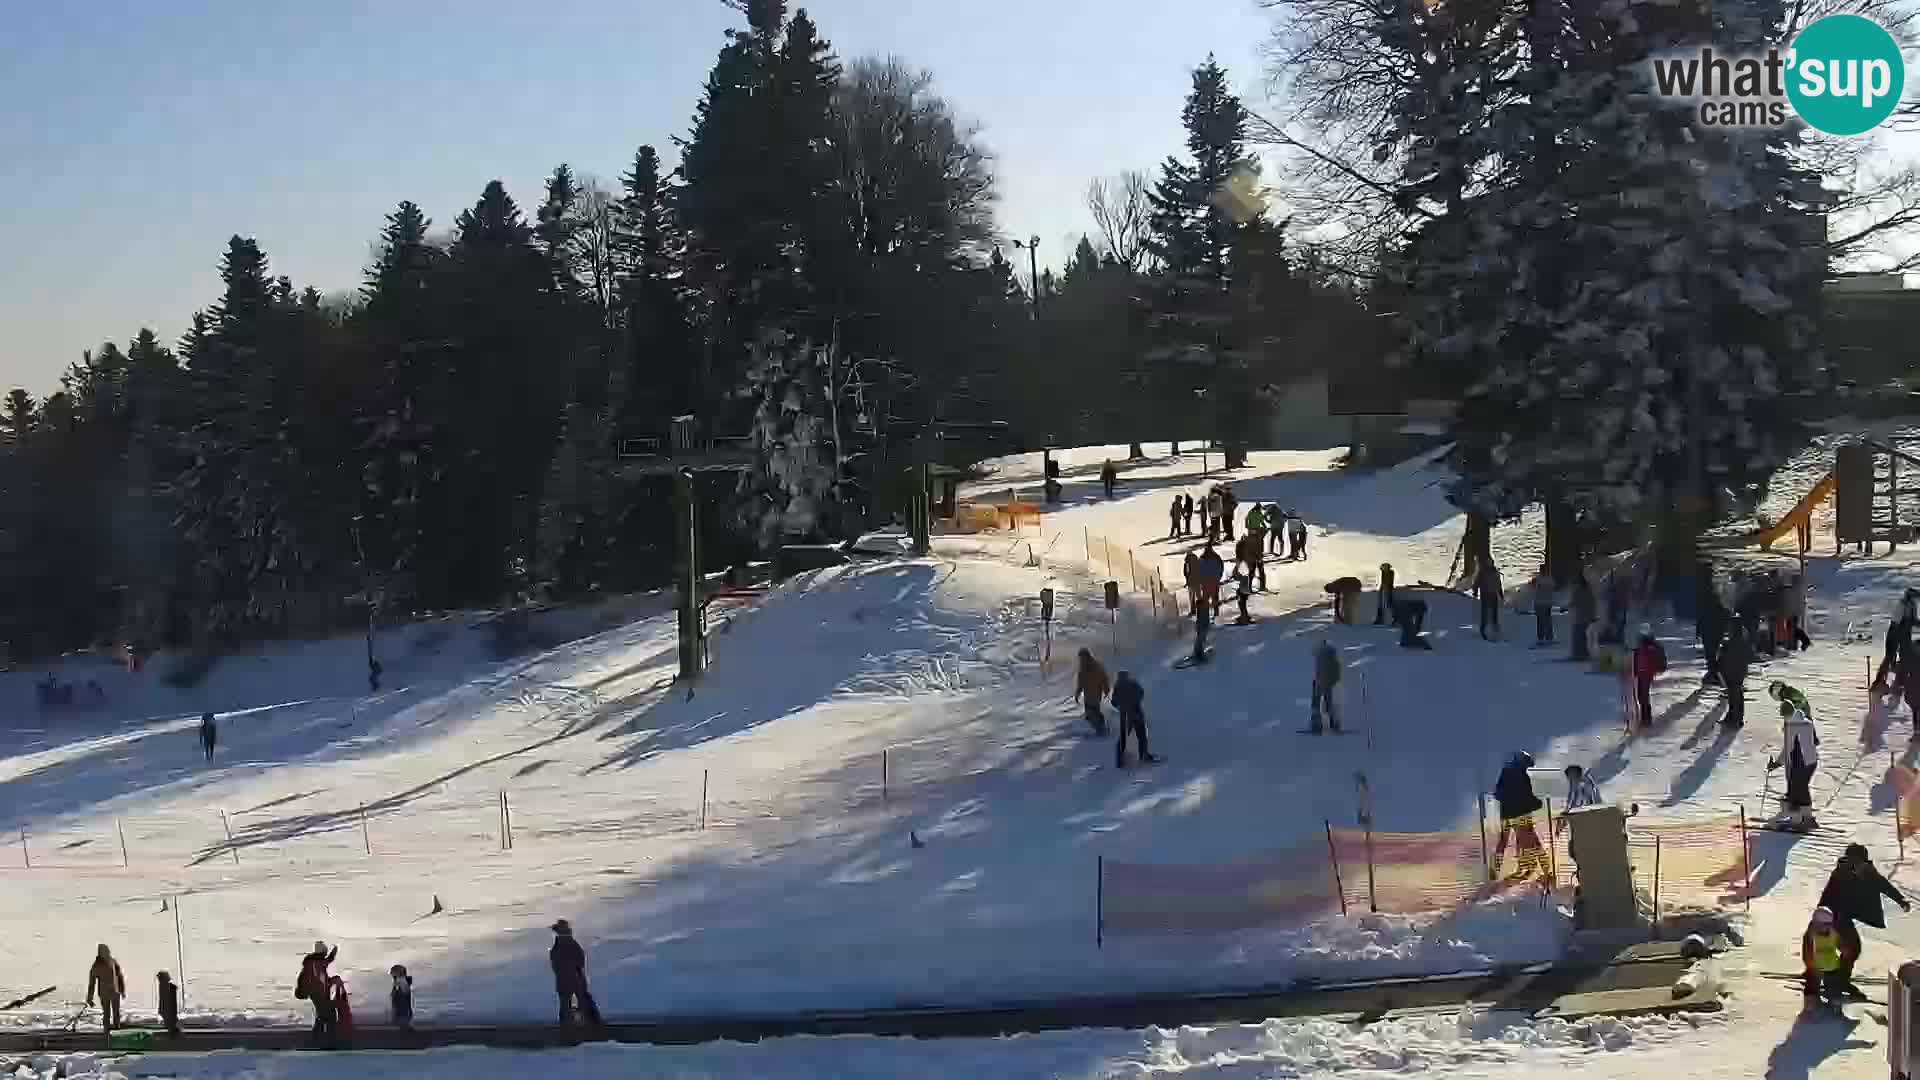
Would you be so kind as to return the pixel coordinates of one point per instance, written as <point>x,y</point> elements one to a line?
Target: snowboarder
<point>1129,700</point>
<point>1297,536</point>
<point>1108,477</point>
<point>1736,656</point>
<point>1800,753</point>
<point>1649,660</point>
<point>1513,794</point>
<point>1174,530</point>
<point>401,997</point>
<point>342,1009</point>
<point>208,735</point>
<point>1089,687</point>
<point>1822,956</point>
<point>1410,614</point>
<point>1228,504</point>
<point>169,997</point>
<point>1584,605</point>
<point>105,978</point>
<point>569,963</point>
<point>1542,588</point>
<point>1852,894</point>
<point>1386,595</point>
<point>1186,515</point>
<point>1326,676</point>
<point>312,986</point>
<point>1487,585</point>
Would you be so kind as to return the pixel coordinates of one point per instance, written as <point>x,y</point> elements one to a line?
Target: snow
<point>803,892</point>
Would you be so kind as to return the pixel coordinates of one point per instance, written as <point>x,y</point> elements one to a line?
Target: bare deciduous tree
<point>1120,211</point>
<point>591,243</point>
<point>911,175</point>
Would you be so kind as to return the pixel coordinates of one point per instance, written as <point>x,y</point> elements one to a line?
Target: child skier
<point>402,997</point>
<point>1820,949</point>
<point>169,1004</point>
<point>1326,676</point>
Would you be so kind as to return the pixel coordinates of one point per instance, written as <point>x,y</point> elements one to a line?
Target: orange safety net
<point>1698,862</point>
<point>1289,888</point>
<point>1416,873</point>
<point>1905,781</point>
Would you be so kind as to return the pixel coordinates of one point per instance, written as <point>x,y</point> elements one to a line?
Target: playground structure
<point>1865,489</point>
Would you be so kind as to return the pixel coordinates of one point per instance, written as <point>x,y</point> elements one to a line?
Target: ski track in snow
<point>802,892</point>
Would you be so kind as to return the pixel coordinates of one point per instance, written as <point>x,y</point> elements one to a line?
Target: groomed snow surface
<point>803,890</point>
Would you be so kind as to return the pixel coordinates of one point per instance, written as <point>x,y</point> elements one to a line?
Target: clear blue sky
<point>137,135</point>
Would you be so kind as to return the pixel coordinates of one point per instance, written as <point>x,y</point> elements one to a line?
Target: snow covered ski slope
<point>856,706</point>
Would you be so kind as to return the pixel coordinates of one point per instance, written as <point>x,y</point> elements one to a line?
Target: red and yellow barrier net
<point>1701,862</point>
<point>1413,873</point>
<point>1289,888</point>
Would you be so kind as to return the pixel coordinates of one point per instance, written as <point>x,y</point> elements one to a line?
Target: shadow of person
<point>1816,1036</point>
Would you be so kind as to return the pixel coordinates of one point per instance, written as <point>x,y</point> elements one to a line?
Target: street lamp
<point>1032,246</point>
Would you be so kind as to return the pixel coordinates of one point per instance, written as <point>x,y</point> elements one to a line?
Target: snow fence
<point>1697,864</point>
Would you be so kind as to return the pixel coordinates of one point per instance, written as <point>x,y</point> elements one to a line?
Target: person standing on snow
<point>313,986</point>
<point>1228,505</point>
<point>1276,524</point>
<point>1513,794</point>
<point>1186,514</point>
<point>1326,676</point>
<point>208,735</point>
<point>1297,535</point>
<point>1487,584</point>
<point>569,963</point>
<point>1852,894</point>
<point>1736,657</point>
<point>1212,570</point>
<point>1581,791</point>
<point>1649,660</point>
<point>1246,551</point>
<point>342,1009</point>
<point>1780,691</point>
<point>1242,589</point>
<point>1174,531</point>
<point>169,997</point>
<point>1822,957</point>
<point>1089,687</point>
<point>1800,753</point>
<point>1796,606</point>
<point>1896,643</point>
<point>1257,535</point>
<point>1213,516</point>
<point>1584,606</point>
<point>1129,700</point>
<point>1108,477</point>
<point>1202,622</point>
<point>1386,595</point>
<point>1710,624</point>
<point>1542,588</point>
<point>105,978</point>
<point>1190,572</point>
<point>401,997</point>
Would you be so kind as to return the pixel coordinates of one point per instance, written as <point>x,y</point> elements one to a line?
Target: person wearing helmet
<point>1780,691</point>
<point>1800,753</point>
<point>1820,954</point>
<point>1513,794</point>
<point>1386,595</point>
<point>1852,895</point>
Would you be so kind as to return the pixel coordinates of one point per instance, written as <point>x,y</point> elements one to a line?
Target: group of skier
<point>1267,526</point>
<point>327,993</point>
<point>1129,700</point>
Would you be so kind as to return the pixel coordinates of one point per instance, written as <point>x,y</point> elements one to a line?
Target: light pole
<point>1200,395</point>
<point>1032,246</point>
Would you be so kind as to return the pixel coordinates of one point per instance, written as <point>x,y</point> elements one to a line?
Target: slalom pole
<point>1333,857</point>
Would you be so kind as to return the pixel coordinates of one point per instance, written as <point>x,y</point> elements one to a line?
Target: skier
<point>1822,956</point>
<point>569,963</point>
<point>1276,523</point>
<point>169,1004</point>
<point>1780,691</point>
<point>1202,622</point>
<point>1089,687</point>
<point>1254,542</point>
<point>1174,530</point>
<point>1852,894</point>
<point>1897,634</point>
<point>1583,603</point>
<point>1107,478</point>
<point>1129,700</point>
<point>1297,536</point>
<point>1410,614</point>
<point>1796,608</point>
<point>342,1009</point>
<point>1326,676</point>
<point>1213,515</point>
<point>1228,504</point>
<point>1487,585</point>
<point>401,997</point>
<point>312,986</point>
<point>1542,587</point>
<point>105,978</point>
<point>1710,624</point>
<point>208,735</point>
<point>1190,572</point>
<point>1800,753</point>
<point>1513,793</point>
<point>1186,515</point>
<point>1212,570</point>
<point>1242,588</point>
<point>1386,595</point>
<point>1736,656</point>
<point>1649,659</point>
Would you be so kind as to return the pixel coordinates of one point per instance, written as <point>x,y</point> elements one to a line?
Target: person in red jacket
<point>1649,660</point>
<point>313,987</point>
<point>342,1008</point>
